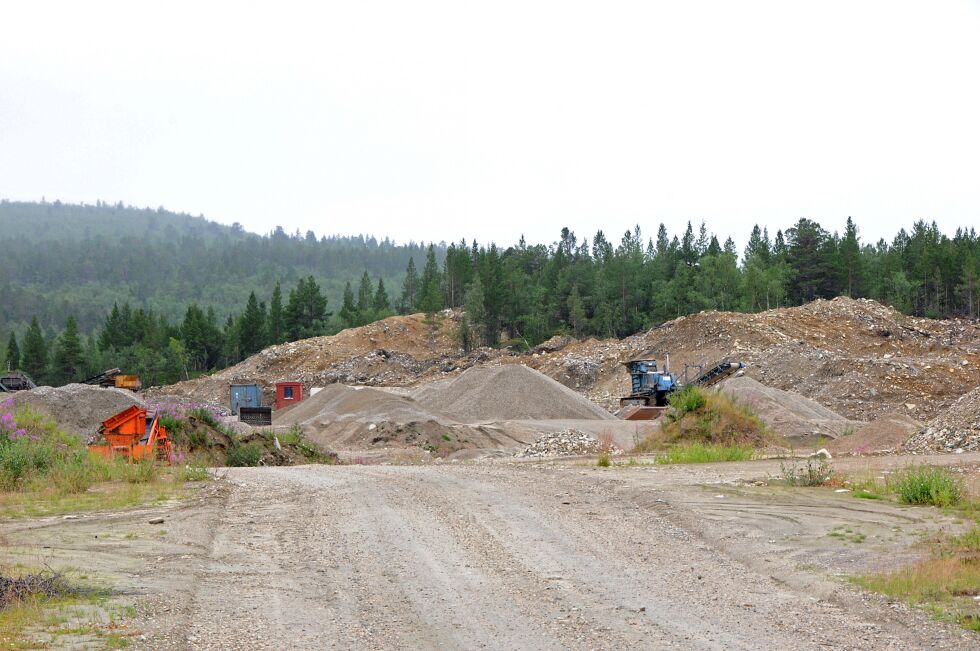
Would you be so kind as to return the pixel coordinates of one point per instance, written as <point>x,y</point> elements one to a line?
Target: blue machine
<point>649,386</point>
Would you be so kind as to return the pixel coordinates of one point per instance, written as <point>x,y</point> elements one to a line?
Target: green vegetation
<point>230,297</point>
<point>244,454</point>
<point>706,424</point>
<point>44,471</point>
<point>814,471</point>
<point>603,460</point>
<point>944,584</point>
<point>705,453</point>
<point>924,485</point>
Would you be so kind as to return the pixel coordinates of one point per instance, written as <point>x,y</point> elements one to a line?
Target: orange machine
<point>133,435</point>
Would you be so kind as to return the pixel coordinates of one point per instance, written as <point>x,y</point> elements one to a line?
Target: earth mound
<point>78,409</point>
<point>788,414</point>
<point>885,434</point>
<point>507,392</point>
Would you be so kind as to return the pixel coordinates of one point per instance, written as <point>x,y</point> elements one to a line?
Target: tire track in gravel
<point>502,557</point>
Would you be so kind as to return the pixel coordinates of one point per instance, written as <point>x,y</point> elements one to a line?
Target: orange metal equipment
<point>132,435</point>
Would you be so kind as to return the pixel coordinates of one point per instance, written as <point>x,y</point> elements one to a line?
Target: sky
<point>440,121</point>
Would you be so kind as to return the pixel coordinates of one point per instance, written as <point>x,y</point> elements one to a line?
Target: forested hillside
<point>62,259</point>
<point>168,296</point>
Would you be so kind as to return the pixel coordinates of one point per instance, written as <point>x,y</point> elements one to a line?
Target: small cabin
<point>288,393</point>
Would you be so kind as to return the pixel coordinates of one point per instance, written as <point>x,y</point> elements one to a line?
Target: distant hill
<point>62,259</point>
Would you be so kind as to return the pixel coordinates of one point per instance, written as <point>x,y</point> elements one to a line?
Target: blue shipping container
<point>245,395</point>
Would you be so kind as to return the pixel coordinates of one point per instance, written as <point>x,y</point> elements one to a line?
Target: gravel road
<point>501,557</point>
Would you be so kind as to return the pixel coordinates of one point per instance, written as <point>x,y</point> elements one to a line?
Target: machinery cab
<point>649,386</point>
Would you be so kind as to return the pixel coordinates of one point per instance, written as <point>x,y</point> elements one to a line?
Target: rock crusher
<point>134,435</point>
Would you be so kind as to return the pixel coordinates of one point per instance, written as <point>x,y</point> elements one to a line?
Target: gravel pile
<point>788,414</point>
<point>883,435</point>
<point>340,403</point>
<point>956,430</point>
<point>78,409</point>
<point>566,442</point>
<point>509,392</point>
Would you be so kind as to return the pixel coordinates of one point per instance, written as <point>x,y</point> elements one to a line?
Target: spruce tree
<point>250,334</point>
<point>306,312</point>
<point>410,289</point>
<point>381,304</point>
<point>276,325</point>
<point>13,353</point>
<point>35,356</point>
<point>365,298</point>
<point>68,359</point>
<point>431,300</point>
<point>348,311</point>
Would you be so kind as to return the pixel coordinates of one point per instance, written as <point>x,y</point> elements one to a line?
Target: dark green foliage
<point>348,311</point>
<point>381,304</point>
<point>68,363</point>
<point>35,357</point>
<point>251,331</point>
<point>306,312</point>
<point>244,454</point>
<point>410,289</point>
<point>277,325</point>
<point>13,352</point>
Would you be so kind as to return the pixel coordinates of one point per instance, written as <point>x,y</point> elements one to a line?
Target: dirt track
<point>534,557</point>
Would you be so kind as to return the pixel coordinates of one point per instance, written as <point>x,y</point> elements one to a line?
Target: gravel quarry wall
<point>78,409</point>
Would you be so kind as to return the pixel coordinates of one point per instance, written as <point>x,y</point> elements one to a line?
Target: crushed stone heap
<point>567,442</point>
<point>79,409</point>
<point>958,429</point>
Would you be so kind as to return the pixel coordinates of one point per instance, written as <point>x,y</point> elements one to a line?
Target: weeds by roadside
<point>815,471</point>
<point>924,485</point>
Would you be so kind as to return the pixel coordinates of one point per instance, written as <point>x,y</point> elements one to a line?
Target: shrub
<point>603,461</point>
<point>140,472</point>
<point>246,454</point>
<point>815,472</point>
<point>708,418</point>
<point>922,485</point>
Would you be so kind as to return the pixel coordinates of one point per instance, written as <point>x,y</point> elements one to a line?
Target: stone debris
<point>79,409</point>
<point>956,430</point>
<point>566,442</point>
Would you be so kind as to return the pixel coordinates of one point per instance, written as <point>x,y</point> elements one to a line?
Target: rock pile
<point>956,430</point>
<point>78,409</point>
<point>566,442</point>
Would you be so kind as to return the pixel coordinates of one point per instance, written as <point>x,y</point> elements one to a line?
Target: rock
<point>822,453</point>
<point>156,521</point>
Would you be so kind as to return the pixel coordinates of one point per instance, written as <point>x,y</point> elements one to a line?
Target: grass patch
<point>603,460</point>
<point>705,453</point>
<point>925,485</point>
<point>244,455</point>
<point>107,496</point>
<point>709,418</point>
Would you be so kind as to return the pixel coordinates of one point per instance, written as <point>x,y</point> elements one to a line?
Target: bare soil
<point>504,555</point>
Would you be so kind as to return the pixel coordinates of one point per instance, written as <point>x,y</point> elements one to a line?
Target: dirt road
<point>531,557</point>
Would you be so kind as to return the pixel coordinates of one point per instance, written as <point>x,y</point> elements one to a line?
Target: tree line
<point>524,294</point>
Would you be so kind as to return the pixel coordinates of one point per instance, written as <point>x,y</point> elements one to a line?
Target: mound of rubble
<point>855,356</point>
<point>883,435</point>
<point>392,352</point>
<point>566,442</point>
<point>957,429</point>
<point>79,409</point>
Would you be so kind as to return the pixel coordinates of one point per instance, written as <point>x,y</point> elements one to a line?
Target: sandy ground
<point>503,556</point>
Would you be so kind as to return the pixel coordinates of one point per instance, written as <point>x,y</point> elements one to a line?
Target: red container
<point>288,393</point>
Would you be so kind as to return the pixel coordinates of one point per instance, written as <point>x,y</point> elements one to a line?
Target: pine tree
<point>476,313</point>
<point>410,289</point>
<point>277,329</point>
<point>365,298</point>
<point>348,312</point>
<point>13,353</point>
<point>381,304</point>
<point>431,300</point>
<point>306,312</point>
<point>250,334</point>
<point>68,359</point>
<point>576,312</point>
<point>851,259</point>
<point>35,355</point>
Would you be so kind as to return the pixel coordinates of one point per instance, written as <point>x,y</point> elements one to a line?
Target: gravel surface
<point>955,430</point>
<point>511,392</point>
<point>509,557</point>
<point>78,408</point>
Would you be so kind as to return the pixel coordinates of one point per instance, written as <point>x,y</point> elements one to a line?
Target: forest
<point>239,292</point>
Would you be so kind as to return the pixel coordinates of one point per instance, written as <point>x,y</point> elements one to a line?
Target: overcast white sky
<point>439,121</point>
